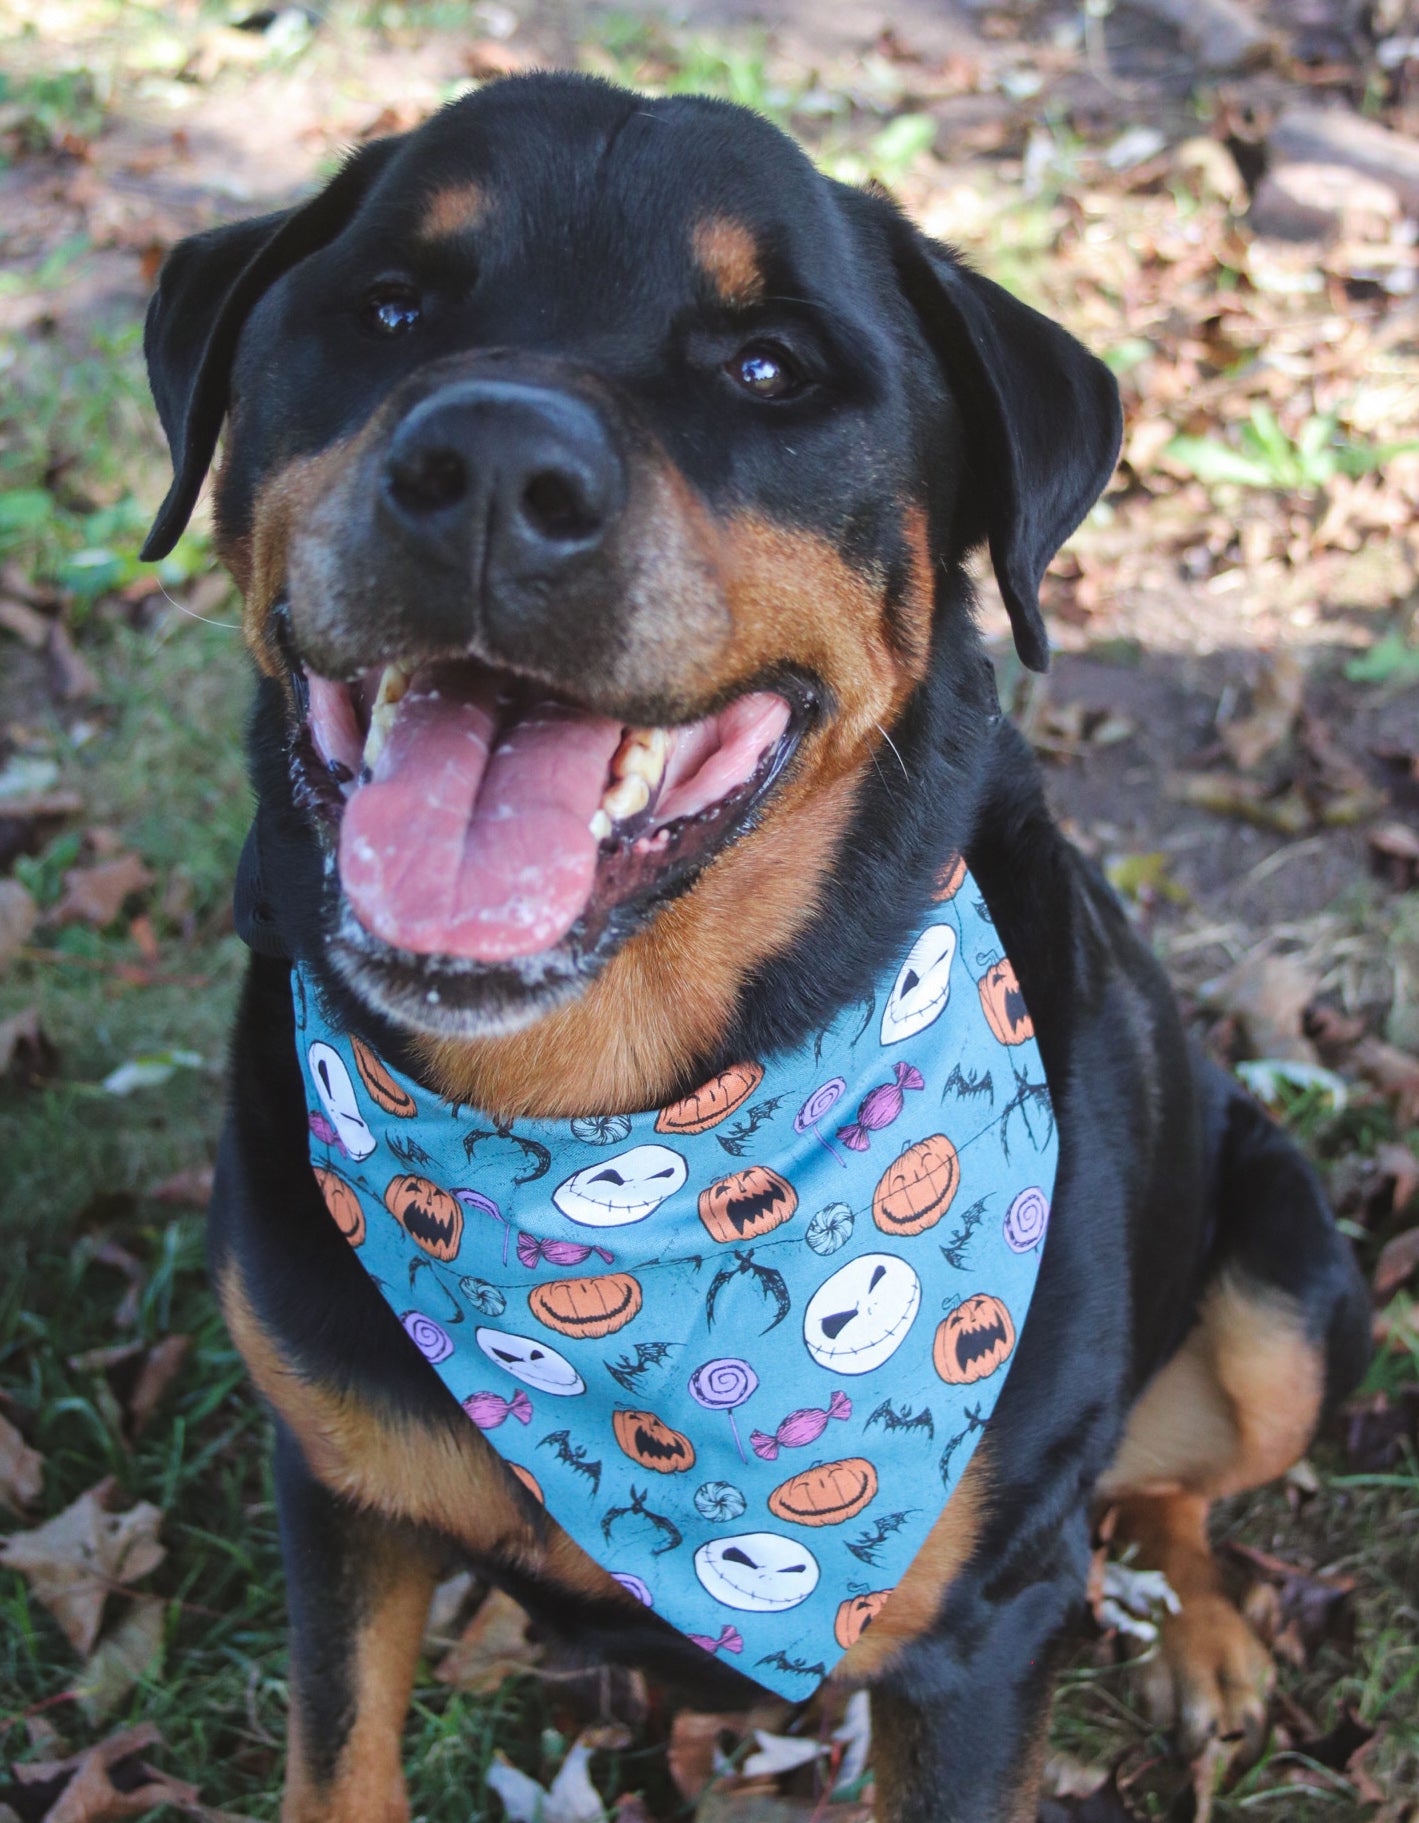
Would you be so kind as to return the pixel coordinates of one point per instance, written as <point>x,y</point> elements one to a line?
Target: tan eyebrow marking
<point>453,211</point>
<point>726,252</point>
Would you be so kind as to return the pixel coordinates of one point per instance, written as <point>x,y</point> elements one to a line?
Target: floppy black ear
<point>206,289</point>
<point>1042,422</point>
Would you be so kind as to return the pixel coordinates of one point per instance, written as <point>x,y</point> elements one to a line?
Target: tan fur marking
<point>916,1600</point>
<point>725,252</point>
<point>1235,1407</point>
<point>368,1786</point>
<point>449,1479</point>
<point>453,211</point>
<point>669,994</point>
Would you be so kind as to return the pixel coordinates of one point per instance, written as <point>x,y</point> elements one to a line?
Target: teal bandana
<point>742,1346</point>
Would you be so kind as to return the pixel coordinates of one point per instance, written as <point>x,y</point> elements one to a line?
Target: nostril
<point>555,505</point>
<point>428,480</point>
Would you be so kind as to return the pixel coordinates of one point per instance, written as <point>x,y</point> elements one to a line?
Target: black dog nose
<point>501,478</point>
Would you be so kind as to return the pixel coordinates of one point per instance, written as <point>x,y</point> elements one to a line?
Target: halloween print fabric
<point>742,1346</point>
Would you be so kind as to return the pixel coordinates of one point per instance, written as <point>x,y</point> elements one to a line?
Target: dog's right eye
<point>391,308</point>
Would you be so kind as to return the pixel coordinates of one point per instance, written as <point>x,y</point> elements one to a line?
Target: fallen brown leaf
<point>191,1188</point>
<point>1398,1261</point>
<point>1399,1164</point>
<point>106,1783</point>
<point>21,1468</point>
<point>160,1368</point>
<point>1275,704</point>
<point>1393,1072</point>
<point>122,1658</point>
<point>1380,1430</point>
<point>19,618</point>
<point>1394,854</point>
<point>74,1561</point>
<point>18,916</point>
<point>72,677</point>
<point>26,1055</point>
<point>698,1739</point>
<point>493,1647</point>
<point>1268,994</point>
<point>97,895</point>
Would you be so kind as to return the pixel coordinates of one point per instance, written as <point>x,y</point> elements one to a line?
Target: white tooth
<point>642,754</point>
<point>393,683</point>
<point>600,825</point>
<point>626,798</point>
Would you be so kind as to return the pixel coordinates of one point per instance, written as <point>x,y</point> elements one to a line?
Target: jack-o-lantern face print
<point>859,1318</point>
<point>1004,1005</point>
<point>713,1101</point>
<point>385,1091</point>
<point>923,985</point>
<point>530,1361</point>
<point>337,1097</point>
<point>430,1217</point>
<point>826,1494</point>
<point>746,1204</point>
<point>590,1307</point>
<point>856,1615</point>
<point>973,1341</point>
<point>649,1441</point>
<point>617,1191</point>
<point>345,1207</point>
<point>916,1189</point>
<point>757,1572</point>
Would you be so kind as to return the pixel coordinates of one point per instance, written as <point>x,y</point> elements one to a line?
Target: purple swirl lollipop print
<point>818,1107</point>
<point>1026,1221</point>
<point>633,1585</point>
<point>721,1385</point>
<point>431,1339</point>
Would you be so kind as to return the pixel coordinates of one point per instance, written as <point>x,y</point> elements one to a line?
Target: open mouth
<point>480,823</point>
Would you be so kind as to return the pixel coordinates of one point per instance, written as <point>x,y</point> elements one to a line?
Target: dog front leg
<point>358,1589</point>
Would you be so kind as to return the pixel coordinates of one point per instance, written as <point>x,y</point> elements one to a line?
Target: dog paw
<point>1209,1679</point>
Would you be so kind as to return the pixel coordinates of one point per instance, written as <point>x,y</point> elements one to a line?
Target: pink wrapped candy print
<point>721,1385</point>
<point>489,1410</point>
<point>1026,1221</point>
<point>799,1428</point>
<point>879,1107</point>
<point>431,1339</point>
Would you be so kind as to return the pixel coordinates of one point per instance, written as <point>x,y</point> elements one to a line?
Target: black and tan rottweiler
<point>617,405</point>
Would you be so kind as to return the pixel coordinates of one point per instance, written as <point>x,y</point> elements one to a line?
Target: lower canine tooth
<point>626,798</point>
<point>600,825</point>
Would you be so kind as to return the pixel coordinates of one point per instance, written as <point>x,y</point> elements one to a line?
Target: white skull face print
<point>627,1188</point>
<point>757,1572</point>
<point>530,1361</point>
<point>859,1317</point>
<point>923,985</point>
<point>337,1097</point>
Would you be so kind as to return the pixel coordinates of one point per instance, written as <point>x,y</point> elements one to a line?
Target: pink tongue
<point>449,850</point>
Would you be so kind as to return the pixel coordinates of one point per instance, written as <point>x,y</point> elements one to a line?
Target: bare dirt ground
<point>1223,199</point>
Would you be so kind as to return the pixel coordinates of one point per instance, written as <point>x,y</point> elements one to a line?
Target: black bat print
<point>409,1152</point>
<point>983,912</point>
<point>626,1372</point>
<point>454,1313</point>
<point>574,1455</point>
<point>871,1004</point>
<point>785,1663</point>
<point>771,1285</point>
<point>974,1422</point>
<point>954,1249</point>
<point>735,1140</point>
<point>888,1416</point>
<point>532,1149</point>
<point>970,1087</point>
<point>673,1536</point>
<point>1027,1095</point>
<point>865,1548</point>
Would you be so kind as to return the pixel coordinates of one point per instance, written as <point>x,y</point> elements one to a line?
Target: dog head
<point>597,475</point>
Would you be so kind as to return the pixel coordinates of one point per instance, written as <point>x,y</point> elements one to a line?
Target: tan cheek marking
<point>914,1604</point>
<point>449,1479</point>
<point>452,212</point>
<point>725,252</point>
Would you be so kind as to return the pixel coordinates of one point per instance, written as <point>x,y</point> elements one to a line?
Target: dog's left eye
<point>765,371</point>
<point>391,308</point>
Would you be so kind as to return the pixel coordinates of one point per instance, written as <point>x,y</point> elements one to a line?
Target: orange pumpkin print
<point>973,1341</point>
<point>1004,1005</point>
<point>430,1217</point>
<point>595,1306</point>
<point>826,1494</point>
<point>916,1189</point>
<point>529,1481</point>
<point>949,877</point>
<point>713,1101</point>
<point>381,1085</point>
<point>345,1207</point>
<point>856,1614</point>
<point>650,1441</point>
<point>746,1204</point>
